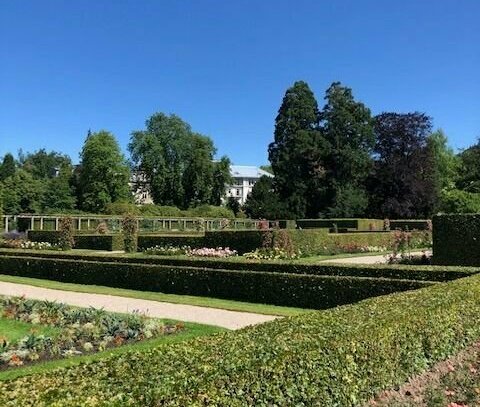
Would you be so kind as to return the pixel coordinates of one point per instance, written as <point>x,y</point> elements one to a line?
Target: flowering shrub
<point>83,330</point>
<point>167,250</point>
<point>208,252</point>
<point>11,243</point>
<point>274,253</point>
<point>38,245</point>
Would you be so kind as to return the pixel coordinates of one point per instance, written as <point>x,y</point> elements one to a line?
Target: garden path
<point>179,312</point>
<point>378,259</point>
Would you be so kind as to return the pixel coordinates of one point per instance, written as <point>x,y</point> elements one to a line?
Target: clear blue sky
<point>223,66</point>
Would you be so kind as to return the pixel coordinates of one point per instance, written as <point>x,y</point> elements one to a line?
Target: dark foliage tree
<point>233,204</point>
<point>221,177</point>
<point>264,203</point>
<point>347,125</point>
<point>470,169</point>
<point>104,173</point>
<point>403,185</point>
<point>7,168</point>
<point>297,152</point>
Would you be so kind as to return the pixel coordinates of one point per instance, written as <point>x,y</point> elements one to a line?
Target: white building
<point>244,178</point>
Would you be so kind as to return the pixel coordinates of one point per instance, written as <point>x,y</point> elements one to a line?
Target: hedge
<point>146,241</point>
<point>358,224</point>
<point>410,224</point>
<point>338,357</point>
<point>297,290</point>
<point>109,242</point>
<point>456,240</point>
<point>403,272</point>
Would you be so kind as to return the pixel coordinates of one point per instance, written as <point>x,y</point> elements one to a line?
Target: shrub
<point>410,224</point>
<point>66,239</point>
<point>338,357</point>
<point>208,252</point>
<point>456,240</point>
<point>357,224</point>
<point>130,233</point>
<point>121,208</point>
<point>167,250</point>
<point>297,290</point>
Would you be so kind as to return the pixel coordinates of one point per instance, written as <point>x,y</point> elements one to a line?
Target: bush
<point>339,357</point>
<point>147,241</point>
<point>410,224</point>
<point>358,224</point>
<point>297,290</point>
<point>121,208</point>
<point>66,240</point>
<point>458,201</point>
<point>130,233</point>
<point>456,240</point>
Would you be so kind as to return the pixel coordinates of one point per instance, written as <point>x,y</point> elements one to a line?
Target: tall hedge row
<point>108,242</point>
<point>339,357</point>
<point>297,290</point>
<point>456,240</point>
<point>353,223</point>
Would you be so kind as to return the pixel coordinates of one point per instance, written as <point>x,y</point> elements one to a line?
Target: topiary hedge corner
<point>456,240</point>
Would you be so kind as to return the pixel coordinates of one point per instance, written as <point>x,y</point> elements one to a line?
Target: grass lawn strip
<point>12,330</point>
<point>154,296</point>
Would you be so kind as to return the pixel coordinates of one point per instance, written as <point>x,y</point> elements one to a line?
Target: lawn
<point>154,296</point>
<point>14,330</point>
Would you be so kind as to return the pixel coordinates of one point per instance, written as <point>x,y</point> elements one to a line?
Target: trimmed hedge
<point>146,241</point>
<point>456,240</point>
<point>339,357</point>
<point>110,242</point>
<point>410,224</point>
<point>297,290</point>
<point>403,272</point>
<point>353,223</point>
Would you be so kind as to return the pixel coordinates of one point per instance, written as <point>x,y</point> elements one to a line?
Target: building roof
<point>247,171</point>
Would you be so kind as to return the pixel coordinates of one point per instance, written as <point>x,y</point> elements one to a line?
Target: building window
<point>238,192</point>
<point>251,182</point>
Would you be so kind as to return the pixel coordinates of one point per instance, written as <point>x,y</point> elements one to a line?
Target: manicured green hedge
<point>403,272</point>
<point>110,242</point>
<point>339,357</point>
<point>410,224</point>
<point>358,224</point>
<point>456,240</point>
<point>298,290</point>
<point>146,241</point>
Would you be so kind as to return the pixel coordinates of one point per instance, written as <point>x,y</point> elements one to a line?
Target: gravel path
<point>380,259</point>
<point>179,312</point>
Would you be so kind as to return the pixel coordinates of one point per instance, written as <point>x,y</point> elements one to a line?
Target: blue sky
<point>224,66</point>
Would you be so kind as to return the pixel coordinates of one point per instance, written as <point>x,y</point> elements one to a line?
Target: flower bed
<point>207,252</point>
<point>167,250</point>
<point>83,330</point>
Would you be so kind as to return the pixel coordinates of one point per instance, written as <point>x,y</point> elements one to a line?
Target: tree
<point>233,205</point>
<point>297,152</point>
<point>59,195</point>
<point>403,185</point>
<point>43,165</point>
<point>347,125</point>
<point>22,193</point>
<point>446,163</point>
<point>470,169</point>
<point>7,168</point>
<point>264,203</point>
<point>221,178</point>
<point>104,174</point>
<point>177,162</point>
<point>457,201</point>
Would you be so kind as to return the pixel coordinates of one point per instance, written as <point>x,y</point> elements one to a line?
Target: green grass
<point>14,330</point>
<point>191,331</point>
<point>154,296</point>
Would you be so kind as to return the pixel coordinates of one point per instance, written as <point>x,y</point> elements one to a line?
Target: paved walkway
<point>379,259</point>
<point>179,312</point>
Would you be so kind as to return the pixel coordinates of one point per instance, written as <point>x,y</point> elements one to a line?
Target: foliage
<point>130,233</point>
<point>403,185</point>
<point>347,125</point>
<point>59,194</point>
<point>456,240</point>
<point>264,203</point>
<point>84,330</point>
<point>272,253</point>
<point>459,201</point>
<point>470,169</point>
<point>22,193</point>
<point>296,290</point>
<point>221,177</point>
<point>8,166</point>
<point>104,174</point>
<point>338,357</point>
<point>167,250</point>
<point>66,239</point>
<point>45,165</point>
<point>297,152</point>
<point>233,204</point>
<point>38,245</point>
<point>122,208</point>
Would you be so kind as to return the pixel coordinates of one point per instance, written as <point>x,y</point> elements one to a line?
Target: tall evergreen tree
<point>104,174</point>
<point>403,184</point>
<point>221,177</point>
<point>264,203</point>
<point>8,166</point>
<point>348,127</point>
<point>297,152</point>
